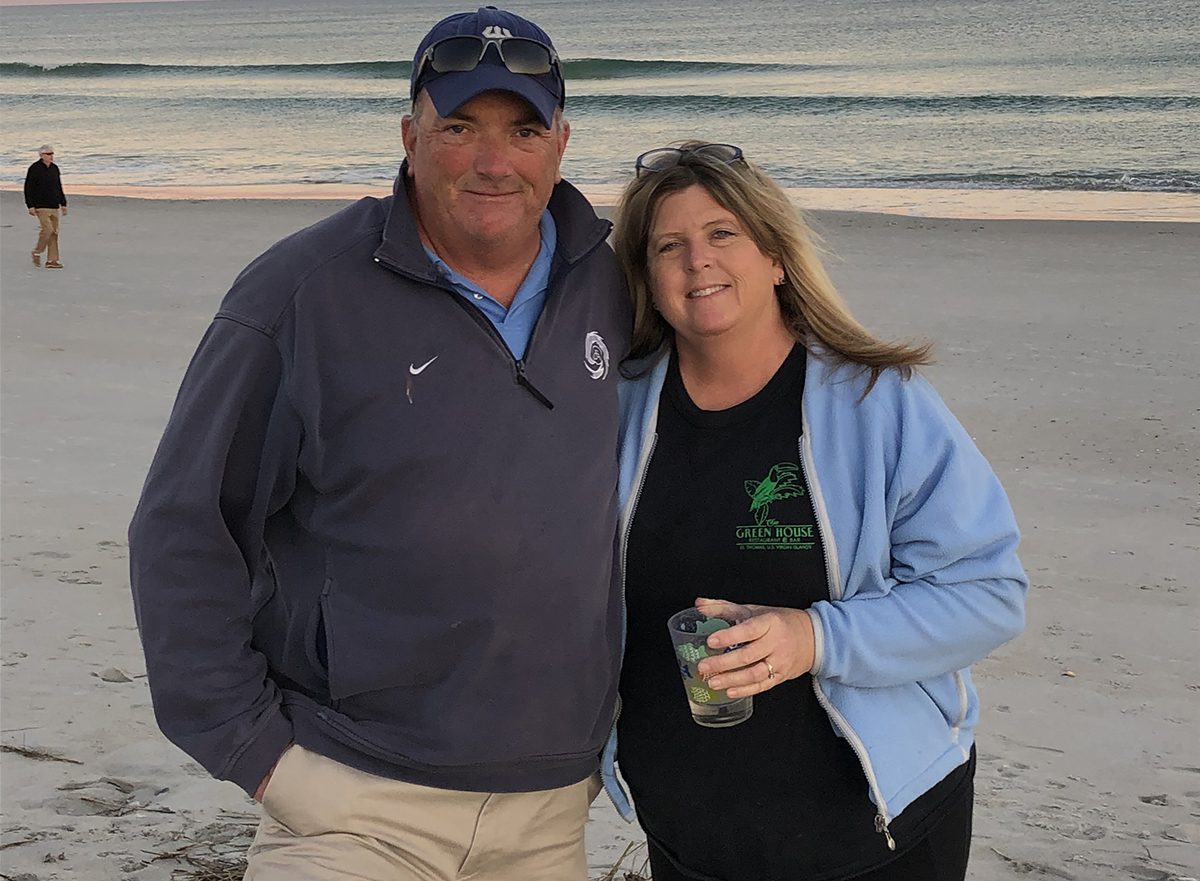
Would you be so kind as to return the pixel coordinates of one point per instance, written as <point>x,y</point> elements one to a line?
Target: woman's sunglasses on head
<point>662,158</point>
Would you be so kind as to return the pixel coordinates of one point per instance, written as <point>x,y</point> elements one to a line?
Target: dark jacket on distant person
<point>43,186</point>
<point>369,529</point>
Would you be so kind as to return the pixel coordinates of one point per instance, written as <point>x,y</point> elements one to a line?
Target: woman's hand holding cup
<point>775,644</point>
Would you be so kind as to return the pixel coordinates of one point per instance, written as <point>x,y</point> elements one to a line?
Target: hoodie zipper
<point>523,380</point>
<point>520,376</point>
<point>833,583</point>
<point>485,323</point>
<point>643,468</point>
<point>640,482</point>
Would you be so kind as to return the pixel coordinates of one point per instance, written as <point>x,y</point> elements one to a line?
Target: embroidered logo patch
<point>595,355</point>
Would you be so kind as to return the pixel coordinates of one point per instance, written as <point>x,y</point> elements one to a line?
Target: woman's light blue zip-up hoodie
<point>921,550</point>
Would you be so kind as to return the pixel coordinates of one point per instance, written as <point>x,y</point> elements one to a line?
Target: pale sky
<point>64,2</point>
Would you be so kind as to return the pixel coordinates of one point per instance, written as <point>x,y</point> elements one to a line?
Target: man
<point>44,198</point>
<point>373,560</point>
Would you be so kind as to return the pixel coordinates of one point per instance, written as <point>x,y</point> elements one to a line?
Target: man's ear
<point>564,135</point>
<point>408,137</point>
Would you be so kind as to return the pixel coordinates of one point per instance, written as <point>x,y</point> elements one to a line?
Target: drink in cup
<point>712,708</point>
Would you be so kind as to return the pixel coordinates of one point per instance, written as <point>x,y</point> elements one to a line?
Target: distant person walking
<point>44,198</point>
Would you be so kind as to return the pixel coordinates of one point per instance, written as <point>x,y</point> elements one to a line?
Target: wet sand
<point>949,202</point>
<point>1067,348</point>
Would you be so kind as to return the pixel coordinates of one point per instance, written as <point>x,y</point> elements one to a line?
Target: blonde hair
<point>811,306</point>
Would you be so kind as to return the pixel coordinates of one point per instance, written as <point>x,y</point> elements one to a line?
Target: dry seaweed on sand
<point>222,858</point>
<point>203,863</point>
<point>216,852</point>
<point>218,869</point>
<point>36,754</point>
<point>618,872</point>
<point>113,797</point>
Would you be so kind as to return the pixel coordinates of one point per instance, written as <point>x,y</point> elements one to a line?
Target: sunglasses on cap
<point>662,158</point>
<point>460,54</point>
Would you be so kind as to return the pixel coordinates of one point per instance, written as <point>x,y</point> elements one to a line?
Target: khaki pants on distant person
<point>324,821</point>
<point>48,235</point>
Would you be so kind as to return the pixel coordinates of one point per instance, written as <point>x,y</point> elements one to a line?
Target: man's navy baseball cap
<point>451,90</point>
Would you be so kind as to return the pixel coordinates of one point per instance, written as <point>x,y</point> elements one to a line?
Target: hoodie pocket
<point>262,589</point>
<point>948,694</point>
<point>369,649</point>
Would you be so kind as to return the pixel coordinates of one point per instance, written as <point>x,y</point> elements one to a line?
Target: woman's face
<point>707,276</point>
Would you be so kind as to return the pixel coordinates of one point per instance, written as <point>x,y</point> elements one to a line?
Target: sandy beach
<point>1067,348</point>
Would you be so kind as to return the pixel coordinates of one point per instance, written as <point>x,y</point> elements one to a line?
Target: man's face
<point>483,175</point>
<point>47,158</point>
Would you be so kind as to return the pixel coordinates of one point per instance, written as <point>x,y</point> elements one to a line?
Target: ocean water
<point>1035,94</point>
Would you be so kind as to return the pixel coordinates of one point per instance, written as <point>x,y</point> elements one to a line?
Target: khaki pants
<point>324,821</point>
<point>48,234</point>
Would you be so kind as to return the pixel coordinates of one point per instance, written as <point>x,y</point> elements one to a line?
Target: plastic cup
<point>710,707</point>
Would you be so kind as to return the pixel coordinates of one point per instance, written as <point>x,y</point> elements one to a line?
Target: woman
<point>779,462</point>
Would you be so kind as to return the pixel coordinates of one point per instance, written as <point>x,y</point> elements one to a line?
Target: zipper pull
<point>523,380</point>
<point>882,828</point>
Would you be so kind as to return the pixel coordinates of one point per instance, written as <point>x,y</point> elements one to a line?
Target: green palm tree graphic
<point>782,482</point>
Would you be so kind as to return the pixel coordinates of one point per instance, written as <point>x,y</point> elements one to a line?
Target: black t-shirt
<point>724,512</point>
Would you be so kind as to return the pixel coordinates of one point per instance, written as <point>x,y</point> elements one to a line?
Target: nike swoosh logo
<point>415,371</point>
